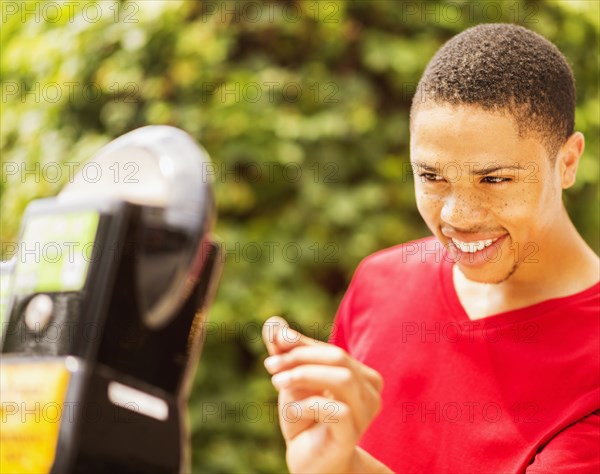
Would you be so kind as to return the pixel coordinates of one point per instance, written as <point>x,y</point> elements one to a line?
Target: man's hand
<point>326,401</point>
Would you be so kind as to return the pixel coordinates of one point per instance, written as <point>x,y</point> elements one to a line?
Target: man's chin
<point>493,275</point>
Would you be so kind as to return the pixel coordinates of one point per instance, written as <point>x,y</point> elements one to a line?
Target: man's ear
<point>568,159</point>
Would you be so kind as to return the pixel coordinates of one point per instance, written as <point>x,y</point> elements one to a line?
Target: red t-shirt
<point>514,392</point>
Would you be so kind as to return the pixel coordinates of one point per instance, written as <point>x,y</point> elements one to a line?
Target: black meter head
<point>163,170</point>
<point>109,289</point>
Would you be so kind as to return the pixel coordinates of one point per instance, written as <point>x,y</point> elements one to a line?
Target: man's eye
<point>430,177</point>
<point>496,179</point>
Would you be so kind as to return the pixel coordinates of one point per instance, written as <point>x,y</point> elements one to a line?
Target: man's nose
<point>463,211</point>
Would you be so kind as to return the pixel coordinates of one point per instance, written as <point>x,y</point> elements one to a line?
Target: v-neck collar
<point>459,313</point>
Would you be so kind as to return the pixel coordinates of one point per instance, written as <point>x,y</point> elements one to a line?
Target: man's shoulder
<point>422,254</point>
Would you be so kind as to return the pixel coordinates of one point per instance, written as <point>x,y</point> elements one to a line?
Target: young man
<point>477,349</point>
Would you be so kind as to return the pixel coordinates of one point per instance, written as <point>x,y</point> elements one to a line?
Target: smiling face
<point>492,197</point>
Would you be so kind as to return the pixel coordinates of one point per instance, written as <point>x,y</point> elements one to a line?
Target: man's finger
<point>290,424</point>
<point>333,415</point>
<point>339,381</point>
<point>287,338</point>
<point>269,332</point>
<point>326,354</point>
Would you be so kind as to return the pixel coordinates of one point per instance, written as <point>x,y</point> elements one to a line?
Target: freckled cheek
<point>429,206</point>
<point>516,213</point>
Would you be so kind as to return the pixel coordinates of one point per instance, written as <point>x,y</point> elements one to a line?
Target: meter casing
<point>118,383</point>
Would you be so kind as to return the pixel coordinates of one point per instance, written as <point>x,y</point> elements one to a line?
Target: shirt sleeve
<point>338,332</point>
<point>574,450</point>
<point>341,324</point>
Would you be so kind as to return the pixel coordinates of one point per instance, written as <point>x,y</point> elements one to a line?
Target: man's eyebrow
<point>427,167</point>
<point>492,169</point>
<point>488,169</point>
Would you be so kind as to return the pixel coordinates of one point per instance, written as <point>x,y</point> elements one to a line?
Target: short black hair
<point>501,66</point>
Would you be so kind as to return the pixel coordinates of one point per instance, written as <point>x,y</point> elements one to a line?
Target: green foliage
<point>311,96</point>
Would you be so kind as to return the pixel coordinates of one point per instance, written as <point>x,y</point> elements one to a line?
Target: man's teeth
<point>472,247</point>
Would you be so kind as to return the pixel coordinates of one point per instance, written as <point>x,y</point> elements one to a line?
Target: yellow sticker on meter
<point>32,398</point>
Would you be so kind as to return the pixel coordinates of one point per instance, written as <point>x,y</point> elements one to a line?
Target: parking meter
<point>103,312</point>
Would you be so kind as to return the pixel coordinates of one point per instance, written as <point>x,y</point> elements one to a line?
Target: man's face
<point>490,196</point>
